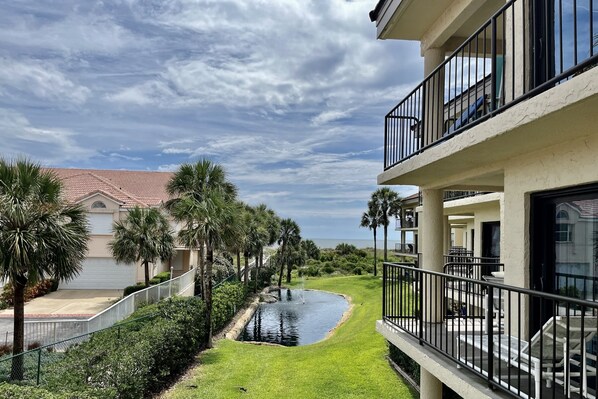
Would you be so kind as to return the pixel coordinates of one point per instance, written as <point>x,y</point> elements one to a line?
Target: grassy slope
<point>350,364</point>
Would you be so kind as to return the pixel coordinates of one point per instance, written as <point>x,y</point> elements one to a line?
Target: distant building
<point>108,195</point>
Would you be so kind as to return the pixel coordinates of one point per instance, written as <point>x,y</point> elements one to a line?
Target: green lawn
<point>350,364</point>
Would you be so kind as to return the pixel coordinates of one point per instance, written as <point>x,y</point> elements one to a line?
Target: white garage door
<point>102,274</point>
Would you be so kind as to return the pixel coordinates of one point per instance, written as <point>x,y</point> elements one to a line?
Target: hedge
<point>133,288</point>
<point>10,391</point>
<point>136,359</point>
<point>226,300</point>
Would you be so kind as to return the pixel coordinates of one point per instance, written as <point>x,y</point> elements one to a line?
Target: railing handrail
<point>137,293</point>
<point>501,286</point>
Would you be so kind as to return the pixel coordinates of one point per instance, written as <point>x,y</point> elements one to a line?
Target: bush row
<point>226,300</point>
<point>10,391</point>
<point>134,360</point>
<point>157,279</point>
<point>139,356</point>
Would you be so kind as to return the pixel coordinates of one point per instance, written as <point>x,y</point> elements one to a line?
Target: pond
<point>300,317</point>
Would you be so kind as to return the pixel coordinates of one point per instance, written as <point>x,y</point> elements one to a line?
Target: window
<point>98,205</point>
<point>563,215</point>
<point>563,232</point>
<point>100,223</point>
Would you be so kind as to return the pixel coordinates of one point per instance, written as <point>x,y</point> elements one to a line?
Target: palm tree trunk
<point>289,268</point>
<point>257,273</point>
<point>201,265</point>
<point>19,284</point>
<point>261,257</point>
<point>375,253</point>
<point>239,265</point>
<point>281,260</point>
<point>246,271</point>
<point>208,298</point>
<point>146,270</point>
<point>385,241</point>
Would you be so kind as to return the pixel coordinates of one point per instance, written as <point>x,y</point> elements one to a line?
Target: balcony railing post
<point>386,149</point>
<point>421,307</point>
<point>493,51</point>
<point>422,135</point>
<point>384,282</point>
<point>490,329</point>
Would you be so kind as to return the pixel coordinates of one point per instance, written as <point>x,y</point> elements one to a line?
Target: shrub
<point>132,288</point>
<point>34,345</point>
<point>133,361</point>
<point>226,300</point>
<point>10,391</point>
<point>328,269</point>
<point>154,281</point>
<point>357,270</point>
<point>164,276</point>
<point>41,288</point>
<point>5,349</point>
<point>408,365</point>
<point>345,249</point>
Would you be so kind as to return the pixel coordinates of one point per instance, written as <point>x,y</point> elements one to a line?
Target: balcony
<point>520,343</point>
<point>505,62</point>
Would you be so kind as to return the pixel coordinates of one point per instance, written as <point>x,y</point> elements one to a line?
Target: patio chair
<point>550,349</point>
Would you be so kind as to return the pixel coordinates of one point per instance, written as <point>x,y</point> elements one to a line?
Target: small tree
<point>143,236</point>
<point>289,237</point>
<point>387,203</point>
<point>371,220</point>
<point>40,235</point>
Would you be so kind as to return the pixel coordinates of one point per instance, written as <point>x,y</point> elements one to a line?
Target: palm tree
<point>257,239</point>
<point>205,202</point>
<point>371,220</point>
<point>143,236</point>
<point>40,235</point>
<point>387,202</point>
<point>289,236</point>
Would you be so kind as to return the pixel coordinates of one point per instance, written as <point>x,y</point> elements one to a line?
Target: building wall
<point>557,167</point>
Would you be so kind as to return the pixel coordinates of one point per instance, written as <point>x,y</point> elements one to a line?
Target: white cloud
<point>50,145</point>
<point>42,79</point>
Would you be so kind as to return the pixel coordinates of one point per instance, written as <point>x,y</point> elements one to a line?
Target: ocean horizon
<point>324,243</point>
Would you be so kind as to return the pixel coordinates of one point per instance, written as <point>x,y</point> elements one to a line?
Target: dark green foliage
<point>10,391</point>
<point>154,281</point>
<point>345,249</point>
<point>407,364</point>
<point>311,249</point>
<point>132,288</point>
<point>138,357</point>
<point>357,270</point>
<point>164,276</point>
<point>228,298</point>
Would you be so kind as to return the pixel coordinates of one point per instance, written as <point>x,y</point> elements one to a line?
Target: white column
<point>430,386</point>
<point>432,257</point>
<point>447,236</point>
<point>433,230</point>
<point>434,104</point>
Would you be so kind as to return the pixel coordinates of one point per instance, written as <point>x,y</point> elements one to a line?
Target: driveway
<point>68,303</point>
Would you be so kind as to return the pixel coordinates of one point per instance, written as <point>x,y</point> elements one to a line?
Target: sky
<point>288,96</point>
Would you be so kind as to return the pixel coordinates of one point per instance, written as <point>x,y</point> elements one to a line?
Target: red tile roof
<point>127,187</point>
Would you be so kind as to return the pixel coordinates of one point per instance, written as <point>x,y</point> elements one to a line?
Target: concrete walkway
<point>68,303</point>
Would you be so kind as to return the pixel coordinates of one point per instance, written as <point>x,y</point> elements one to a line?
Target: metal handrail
<point>460,82</point>
<point>485,327</point>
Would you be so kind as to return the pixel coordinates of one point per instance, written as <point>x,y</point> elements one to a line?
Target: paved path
<point>68,304</point>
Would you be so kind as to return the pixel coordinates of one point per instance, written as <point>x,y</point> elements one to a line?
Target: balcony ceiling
<point>434,22</point>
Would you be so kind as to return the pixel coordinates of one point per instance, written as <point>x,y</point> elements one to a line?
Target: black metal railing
<point>577,286</point>
<point>527,47</point>
<point>523,342</point>
<point>406,248</point>
<point>405,223</point>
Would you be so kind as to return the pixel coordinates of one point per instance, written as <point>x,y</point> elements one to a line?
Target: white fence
<point>49,331</point>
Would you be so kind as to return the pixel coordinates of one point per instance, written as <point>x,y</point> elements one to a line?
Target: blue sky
<point>289,96</point>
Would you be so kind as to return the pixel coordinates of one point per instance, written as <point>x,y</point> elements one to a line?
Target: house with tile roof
<point>107,195</point>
